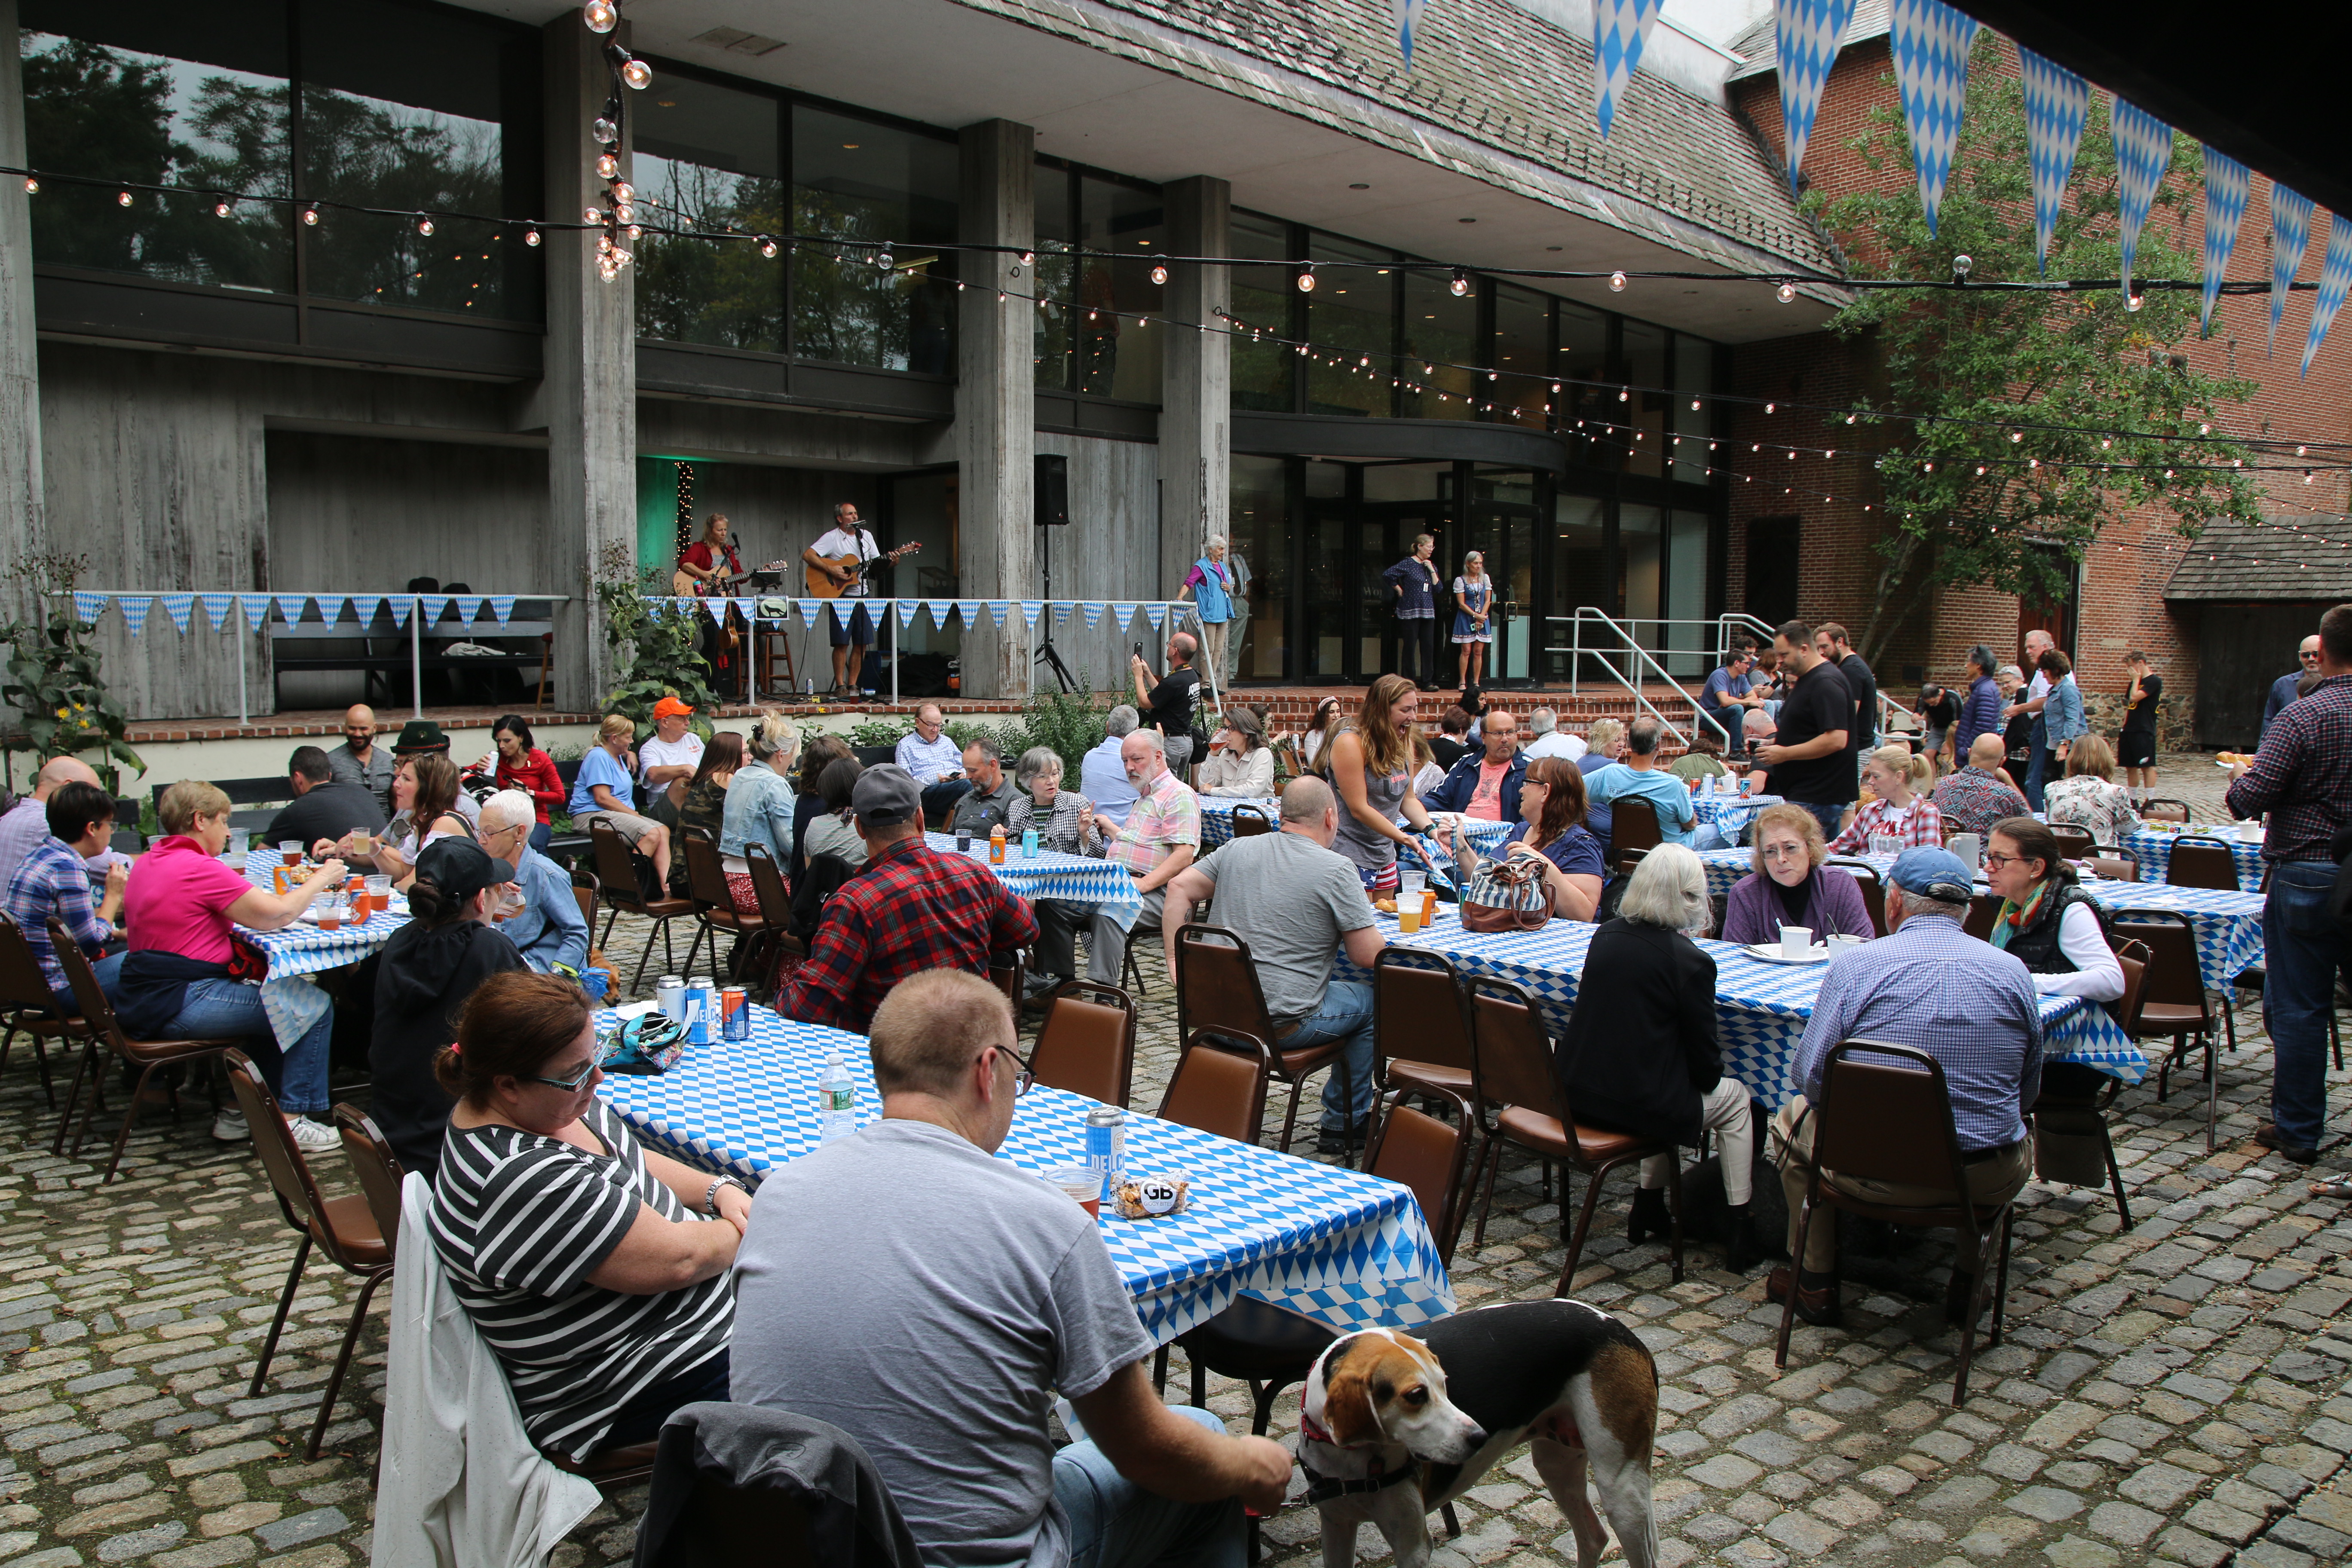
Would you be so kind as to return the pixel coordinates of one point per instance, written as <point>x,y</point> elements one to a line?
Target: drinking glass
<point>379,892</point>
<point>331,912</point>
<point>290,852</point>
<point>1885,844</point>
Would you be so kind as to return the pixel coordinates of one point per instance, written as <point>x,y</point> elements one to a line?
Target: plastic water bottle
<point>836,1099</point>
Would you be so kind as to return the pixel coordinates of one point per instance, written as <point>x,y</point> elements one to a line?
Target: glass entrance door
<point>1503,528</point>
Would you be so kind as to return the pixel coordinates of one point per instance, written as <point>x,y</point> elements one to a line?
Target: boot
<point>1817,1294</point>
<point>1958,1293</point>
<point>1741,1250</point>
<point>1650,1217</point>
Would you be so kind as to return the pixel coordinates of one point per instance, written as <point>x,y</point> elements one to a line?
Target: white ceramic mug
<point>1796,942</point>
<point>1968,847</point>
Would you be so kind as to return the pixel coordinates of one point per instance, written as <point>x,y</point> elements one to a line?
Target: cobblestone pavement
<point>2176,1393</point>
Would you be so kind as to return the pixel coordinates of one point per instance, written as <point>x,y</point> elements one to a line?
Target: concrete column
<point>1196,379</point>
<point>22,513</point>
<point>590,392</point>
<point>996,398</point>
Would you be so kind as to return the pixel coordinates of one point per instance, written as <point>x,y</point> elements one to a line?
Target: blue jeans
<point>2037,766</point>
<point>938,799</point>
<point>2301,949</point>
<point>227,1010</point>
<point>1346,1015</point>
<point>1114,1523</point>
<point>542,834</point>
<point>1829,813</point>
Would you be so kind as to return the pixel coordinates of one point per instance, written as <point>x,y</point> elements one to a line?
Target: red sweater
<point>535,778</point>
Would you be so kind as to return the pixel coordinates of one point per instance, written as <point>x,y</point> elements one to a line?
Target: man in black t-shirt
<point>1169,703</point>
<point>2136,746</point>
<point>1829,642</point>
<point>323,806</point>
<point>1811,760</point>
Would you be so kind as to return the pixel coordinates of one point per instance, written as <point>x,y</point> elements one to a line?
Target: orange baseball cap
<point>671,707</point>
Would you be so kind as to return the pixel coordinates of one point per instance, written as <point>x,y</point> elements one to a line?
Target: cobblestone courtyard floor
<point>2178,1392</point>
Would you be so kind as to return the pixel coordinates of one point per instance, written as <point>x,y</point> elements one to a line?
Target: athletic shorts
<point>855,627</point>
<point>2136,751</point>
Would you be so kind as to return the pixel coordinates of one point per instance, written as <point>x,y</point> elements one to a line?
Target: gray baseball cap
<point>886,794</point>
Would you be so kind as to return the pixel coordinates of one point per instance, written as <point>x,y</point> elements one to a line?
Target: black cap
<point>461,868</point>
<point>420,735</point>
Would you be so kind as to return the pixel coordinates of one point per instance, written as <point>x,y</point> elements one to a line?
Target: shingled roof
<point>2289,558</point>
<point>1758,47</point>
<point>1513,92</point>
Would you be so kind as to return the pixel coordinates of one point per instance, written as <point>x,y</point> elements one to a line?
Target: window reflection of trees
<point>695,292</point>
<point>848,309</point>
<point>374,153</point>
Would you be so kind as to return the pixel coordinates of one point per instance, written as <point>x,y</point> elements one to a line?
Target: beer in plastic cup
<point>1082,1183</point>
<point>290,852</point>
<point>1409,912</point>
<point>331,912</point>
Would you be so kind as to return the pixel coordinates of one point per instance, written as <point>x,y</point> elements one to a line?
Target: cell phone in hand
<point>1139,650</point>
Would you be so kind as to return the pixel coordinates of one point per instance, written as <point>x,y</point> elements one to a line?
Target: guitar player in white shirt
<point>852,632</point>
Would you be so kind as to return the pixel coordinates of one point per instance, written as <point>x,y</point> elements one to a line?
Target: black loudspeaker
<point>1053,490</point>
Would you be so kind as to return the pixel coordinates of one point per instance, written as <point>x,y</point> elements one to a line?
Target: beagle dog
<point>1393,1426</point>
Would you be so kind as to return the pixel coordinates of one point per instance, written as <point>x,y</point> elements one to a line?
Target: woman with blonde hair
<point>1371,769</point>
<point>1790,887</point>
<point>1899,809</point>
<point>2088,797</point>
<point>1604,743</point>
<point>604,789</point>
<point>759,803</point>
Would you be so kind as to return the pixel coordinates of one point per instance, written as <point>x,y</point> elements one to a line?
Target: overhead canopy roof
<point>2288,558</point>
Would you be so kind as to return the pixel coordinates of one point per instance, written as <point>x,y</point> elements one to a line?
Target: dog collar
<point>1321,1487</point>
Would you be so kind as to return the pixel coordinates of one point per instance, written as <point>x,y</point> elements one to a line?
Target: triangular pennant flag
<point>1620,28</point>
<point>470,607</point>
<point>997,610</point>
<point>2290,232</point>
<point>2226,188</point>
<point>2334,276</point>
<point>1093,611</point>
<point>1931,71</point>
<point>291,605</point>
<point>1408,12</point>
<point>364,608</point>
<point>2143,153</point>
<point>809,610</point>
<point>88,606</point>
<point>1157,615</point>
<point>434,607</point>
<point>941,610</point>
<point>906,608</point>
<point>717,608</point>
<point>257,610</point>
<point>332,605</point>
<point>216,607</point>
<point>402,605</point>
<point>182,608</point>
<point>1122,616</point>
<point>134,611</point>
<point>1030,610</point>
<point>1805,47</point>
<point>502,606</point>
<point>2057,101</point>
<point>747,608</point>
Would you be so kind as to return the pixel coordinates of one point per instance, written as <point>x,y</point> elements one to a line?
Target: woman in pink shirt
<point>175,982</point>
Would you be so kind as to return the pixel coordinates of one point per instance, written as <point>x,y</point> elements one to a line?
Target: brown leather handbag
<point>1507,895</point>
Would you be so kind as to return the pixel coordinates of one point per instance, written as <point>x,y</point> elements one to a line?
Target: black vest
<point>2036,946</point>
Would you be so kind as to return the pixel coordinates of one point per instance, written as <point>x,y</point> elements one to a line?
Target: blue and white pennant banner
<point>2335,277</point>
<point>1408,12</point>
<point>2057,102</point>
<point>1620,28</point>
<point>1931,72</point>
<point>1805,47</point>
<point>2290,232</point>
<point>134,614</point>
<point>2226,188</point>
<point>2143,153</point>
<point>181,607</point>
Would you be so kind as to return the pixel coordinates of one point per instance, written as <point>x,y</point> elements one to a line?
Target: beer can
<point>702,1006</point>
<point>735,1013</point>
<point>1107,1141</point>
<point>669,997</point>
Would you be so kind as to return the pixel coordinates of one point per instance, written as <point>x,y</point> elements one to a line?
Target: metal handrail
<point>1643,658</point>
<point>1729,619</point>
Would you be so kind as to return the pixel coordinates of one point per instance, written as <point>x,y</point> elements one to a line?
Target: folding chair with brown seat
<point>2163,809</point>
<point>1220,1003</point>
<point>2202,863</point>
<point>2114,864</point>
<point>1220,1088</point>
<point>378,1168</point>
<point>2067,1120</point>
<point>1984,909</point>
<point>714,904</point>
<point>1249,822</point>
<point>1087,1045</point>
<point>345,1229</point>
<point>1513,1068</point>
<point>1891,1122</point>
<point>31,1006</point>
<point>1633,824</point>
<point>583,888</point>
<point>1421,1031</point>
<point>106,1033</point>
<point>1004,972</point>
<point>2174,1006</point>
<point>776,938</point>
<point>1874,891</point>
<point>616,870</point>
<point>2073,842</point>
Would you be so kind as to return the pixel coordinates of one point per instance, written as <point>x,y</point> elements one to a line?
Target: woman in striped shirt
<point>597,1270</point>
<point>1894,776</point>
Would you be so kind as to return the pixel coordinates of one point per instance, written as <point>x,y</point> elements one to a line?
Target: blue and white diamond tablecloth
<point>289,998</point>
<point>1076,878</point>
<point>2152,847</point>
<point>1760,1008</point>
<point>1340,1245</point>
<point>1729,814</point>
<point>1217,824</point>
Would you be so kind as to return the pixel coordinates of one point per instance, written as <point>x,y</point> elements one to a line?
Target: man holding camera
<point>1168,704</point>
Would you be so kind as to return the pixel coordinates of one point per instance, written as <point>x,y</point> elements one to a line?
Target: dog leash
<point>1322,1488</point>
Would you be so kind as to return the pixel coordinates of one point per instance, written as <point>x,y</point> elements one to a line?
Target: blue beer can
<point>1106,1143</point>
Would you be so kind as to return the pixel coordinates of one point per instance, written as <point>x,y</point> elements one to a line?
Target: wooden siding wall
<point>1110,550</point>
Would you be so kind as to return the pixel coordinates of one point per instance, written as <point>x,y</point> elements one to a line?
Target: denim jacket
<point>2064,714</point>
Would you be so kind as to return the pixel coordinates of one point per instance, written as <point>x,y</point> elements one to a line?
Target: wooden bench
<point>382,650</point>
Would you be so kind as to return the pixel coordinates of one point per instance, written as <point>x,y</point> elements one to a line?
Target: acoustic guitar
<point>822,584</point>
<point>685,585</point>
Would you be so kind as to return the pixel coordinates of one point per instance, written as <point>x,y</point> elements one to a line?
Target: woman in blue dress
<point>1474,595</point>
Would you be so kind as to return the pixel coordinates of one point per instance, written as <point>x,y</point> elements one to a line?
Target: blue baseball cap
<point>1936,874</point>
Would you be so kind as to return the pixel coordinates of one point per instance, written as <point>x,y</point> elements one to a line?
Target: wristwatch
<point>711,1198</point>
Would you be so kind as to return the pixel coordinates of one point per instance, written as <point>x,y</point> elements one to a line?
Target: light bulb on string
<point>310,217</point>
<point>220,209</point>
<point>122,199</point>
<point>607,165</point>
<point>1617,282</point>
<point>1028,258</point>
<point>32,187</point>
<point>767,247</point>
<point>2134,300</point>
<point>638,74</point>
<point>1770,407</point>
<point>531,237</point>
<point>1460,284</point>
<point>886,261</point>
<point>624,192</point>
<point>1787,293</point>
<point>592,215</point>
<point>1625,393</point>
<point>1307,279</point>
<point>635,232</point>
<point>424,226</point>
<point>602,15</point>
<point>622,213</point>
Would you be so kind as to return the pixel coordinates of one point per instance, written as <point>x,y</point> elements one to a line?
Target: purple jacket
<point>1834,906</point>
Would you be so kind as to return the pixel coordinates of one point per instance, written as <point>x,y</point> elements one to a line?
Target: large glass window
<point>1640,567</point>
<point>1686,537</point>
<point>1521,390</point>
<point>894,192</point>
<point>162,94</point>
<point>1694,379</point>
<point>1098,316</point>
<point>1350,320</point>
<point>1582,367</point>
<point>1261,538</point>
<point>1645,366</point>
<point>711,158</point>
<point>1441,336</point>
<point>1261,367</point>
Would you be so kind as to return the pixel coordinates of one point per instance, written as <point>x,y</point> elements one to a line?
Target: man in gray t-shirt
<point>930,1300</point>
<point>1297,901</point>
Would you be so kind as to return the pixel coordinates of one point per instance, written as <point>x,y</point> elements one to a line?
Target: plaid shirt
<point>2302,775</point>
<point>1164,817</point>
<point>52,881</point>
<point>912,909</point>
<point>1975,799</point>
<point>1917,823</point>
<point>1930,985</point>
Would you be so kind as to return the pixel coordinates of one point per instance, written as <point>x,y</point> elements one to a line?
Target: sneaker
<point>229,1127</point>
<point>313,1137</point>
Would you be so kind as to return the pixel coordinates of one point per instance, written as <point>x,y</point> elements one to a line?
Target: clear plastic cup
<point>290,851</point>
<point>1409,909</point>
<point>332,910</point>
<point>379,892</point>
<point>1885,844</point>
<point>1083,1183</point>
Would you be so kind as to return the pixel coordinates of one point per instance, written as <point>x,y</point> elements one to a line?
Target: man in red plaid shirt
<point>912,909</point>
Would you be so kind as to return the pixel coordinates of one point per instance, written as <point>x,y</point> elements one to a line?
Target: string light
<point>425,226</point>
<point>1788,292</point>
<point>1460,284</point>
<point>638,74</point>
<point>1307,279</point>
<point>602,15</point>
<point>1159,274</point>
<point>122,198</point>
<point>310,215</point>
<point>607,165</point>
<point>531,237</point>
<point>606,133</point>
<point>1617,282</point>
<point>220,209</point>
